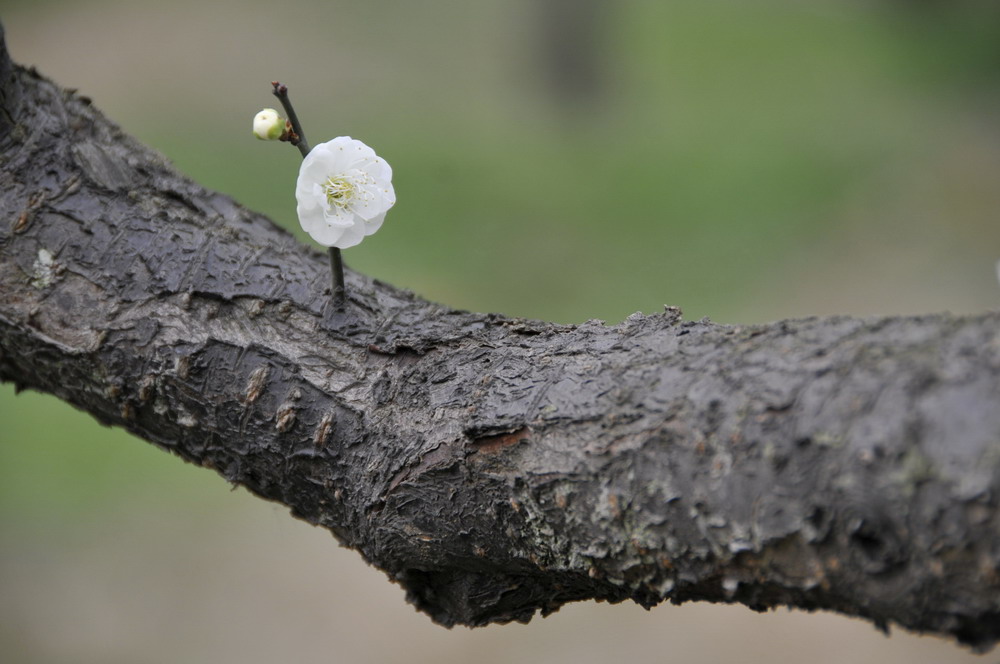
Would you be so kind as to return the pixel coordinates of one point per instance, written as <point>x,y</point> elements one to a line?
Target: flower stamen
<point>348,190</point>
<point>339,191</point>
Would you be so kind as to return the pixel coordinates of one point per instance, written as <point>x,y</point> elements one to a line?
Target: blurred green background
<point>555,159</point>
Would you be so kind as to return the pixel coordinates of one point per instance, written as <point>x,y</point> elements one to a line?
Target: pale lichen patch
<point>186,419</point>
<point>43,271</point>
<point>256,308</point>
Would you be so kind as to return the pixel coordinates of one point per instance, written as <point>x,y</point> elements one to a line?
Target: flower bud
<point>268,125</point>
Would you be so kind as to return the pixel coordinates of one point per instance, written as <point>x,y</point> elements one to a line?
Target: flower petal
<point>338,218</point>
<point>374,224</point>
<point>327,235</point>
<point>311,220</point>
<point>381,170</point>
<point>352,236</point>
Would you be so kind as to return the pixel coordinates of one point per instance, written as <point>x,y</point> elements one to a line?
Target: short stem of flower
<point>339,292</point>
<point>281,92</point>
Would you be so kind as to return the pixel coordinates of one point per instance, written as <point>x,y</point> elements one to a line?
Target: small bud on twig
<point>268,125</point>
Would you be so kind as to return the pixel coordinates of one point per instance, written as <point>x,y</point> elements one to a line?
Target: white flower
<point>268,125</point>
<point>343,191</point>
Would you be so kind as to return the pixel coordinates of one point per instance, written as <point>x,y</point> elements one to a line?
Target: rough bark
<point>495,467</point>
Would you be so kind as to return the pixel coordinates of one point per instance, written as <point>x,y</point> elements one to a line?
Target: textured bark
<point>492,466</point>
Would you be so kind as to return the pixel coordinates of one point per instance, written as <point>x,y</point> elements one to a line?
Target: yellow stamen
<point>339,191</point>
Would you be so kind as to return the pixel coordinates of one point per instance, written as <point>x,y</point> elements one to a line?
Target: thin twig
<point>299,138</point>
<point>339,291</point>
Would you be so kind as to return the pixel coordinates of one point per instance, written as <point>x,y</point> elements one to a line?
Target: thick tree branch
<point>493,466</point>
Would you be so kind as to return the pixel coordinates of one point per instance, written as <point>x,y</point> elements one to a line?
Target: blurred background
<point>554,159</point>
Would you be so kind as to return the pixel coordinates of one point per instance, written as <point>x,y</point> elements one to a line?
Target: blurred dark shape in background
<point>952,6</point>
<point>975,23</point>
<point>572,49</point>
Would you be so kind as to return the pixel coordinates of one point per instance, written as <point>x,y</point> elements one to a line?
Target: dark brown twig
<point>297,138</point>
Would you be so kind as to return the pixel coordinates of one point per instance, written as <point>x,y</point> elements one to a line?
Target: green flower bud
<point>268,125</point>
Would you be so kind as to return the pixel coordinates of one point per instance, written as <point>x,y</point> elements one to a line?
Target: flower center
<point>346,191</point>
<point>339,190</point>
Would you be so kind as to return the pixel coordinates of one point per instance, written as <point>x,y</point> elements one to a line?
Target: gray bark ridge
<point>497,467</point>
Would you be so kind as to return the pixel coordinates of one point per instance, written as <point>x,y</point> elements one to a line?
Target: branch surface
<point>495,467</point>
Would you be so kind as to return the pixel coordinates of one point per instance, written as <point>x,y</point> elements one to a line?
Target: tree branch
<point>495,467</point>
